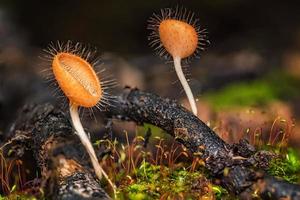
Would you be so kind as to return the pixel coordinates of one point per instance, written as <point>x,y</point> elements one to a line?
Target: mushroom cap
<point>77,79</point>
<point>179,38</point>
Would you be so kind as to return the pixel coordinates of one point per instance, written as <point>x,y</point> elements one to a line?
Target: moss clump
<point>286,166</point>
<point>156,182</point>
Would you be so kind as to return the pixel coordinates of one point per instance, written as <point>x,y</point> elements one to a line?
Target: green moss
<point>220,192</point>
<point>275,86</point>
<point>17,197</point>
<point>287,166</point>
<point>153,182</point>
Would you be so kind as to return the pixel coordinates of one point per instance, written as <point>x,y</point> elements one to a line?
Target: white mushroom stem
<point>88,146</point>
<point>184,83</point>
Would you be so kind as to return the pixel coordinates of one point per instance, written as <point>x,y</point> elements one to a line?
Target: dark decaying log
<point>240,161</point>
<point>47,132</point>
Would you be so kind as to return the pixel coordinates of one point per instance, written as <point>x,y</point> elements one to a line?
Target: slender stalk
<point>88,146</point>
<point>184,83</point>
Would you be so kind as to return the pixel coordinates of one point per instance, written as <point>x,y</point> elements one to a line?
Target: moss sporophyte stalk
<point>80,84</point>
<point>177,35</point>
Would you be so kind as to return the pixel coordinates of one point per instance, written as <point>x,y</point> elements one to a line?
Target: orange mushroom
<point>79,82</point>
<point>175,34</point>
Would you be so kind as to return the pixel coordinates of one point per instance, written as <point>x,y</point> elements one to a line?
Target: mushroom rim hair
<point>180,14</point>
<point>90,55</point>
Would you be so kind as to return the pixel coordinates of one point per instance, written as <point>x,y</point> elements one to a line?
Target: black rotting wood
<point>47,132</point>
<point>173,118</point>
<point>244,166</point>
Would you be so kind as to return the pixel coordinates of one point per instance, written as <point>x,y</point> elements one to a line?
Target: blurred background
<point>247,82</point>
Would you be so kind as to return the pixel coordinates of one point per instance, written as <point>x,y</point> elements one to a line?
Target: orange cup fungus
<point>176,35</point>
<point>77,79</point>
<point>80,83</point>
<point>179,38</point>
